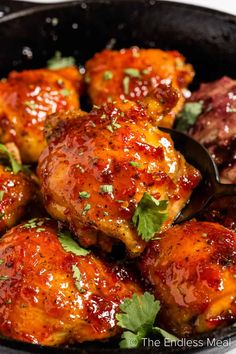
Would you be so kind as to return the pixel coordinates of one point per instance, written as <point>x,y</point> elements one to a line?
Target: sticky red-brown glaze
<point>39,299</point>
<point>193,271</point>
<point>154,68</point>
<point>83,154</point>
<point>27,98</point>
<point>17,190</point>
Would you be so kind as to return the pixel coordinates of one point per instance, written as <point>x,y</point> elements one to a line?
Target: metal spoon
<point>210,188</point>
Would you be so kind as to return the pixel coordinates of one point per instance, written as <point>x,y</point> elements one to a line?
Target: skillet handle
<point>10,6</point>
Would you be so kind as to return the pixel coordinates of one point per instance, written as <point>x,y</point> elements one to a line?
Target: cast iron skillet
<point>29,35</point>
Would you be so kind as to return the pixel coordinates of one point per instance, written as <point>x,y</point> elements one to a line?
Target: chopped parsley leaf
<point>84,195</point>
<point>126,81</point>
<point>106,188</point>
<point>77,276</point>
<point>134,164</point>
<point>65,92</point>
<point>31,104</point>
<point>132,72</point>
<point>108,75</point>
<point>16,167</point>
<point>59,62</point>
<point>40,229</point>
<point>87,207</point>
<point>1,195</point>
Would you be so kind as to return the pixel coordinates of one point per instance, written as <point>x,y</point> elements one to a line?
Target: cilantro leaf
<point>131,340</point>
<point>16,167</point>
<point>108,75</point>
<point>77,276</point>
<point>126,82</point>
<point>137,316</point>
<point>1,195</point>
<point>165,334</point>
<point>132,72</point>
<point>138,311</point>
<point>189,115</point>
<point>69,245</point>
<point>59,62</point>
<point>149,216</point>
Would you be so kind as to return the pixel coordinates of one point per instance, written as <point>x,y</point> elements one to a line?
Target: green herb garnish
<point>84,195</point>
<point>134,164</point>
<point>108,75</point>
<point>149,216</point>
<point>189,115</point>
<point>31,224</point>
<point>146,71</point>
<point>1,261</point>
<point>126,81</point>
<point>1,195</point>
<point>69,245</point>
<point>31,104</point>
<point>138,318</point>
<point>59,62</point>
<point>16,167</point>
<point>132,72</point>
<point>106,188</point>
<point>77,276</point>
<point>40,229</point>
<point>86,209</point>
<point>65,92</point>
<point>4,277</point>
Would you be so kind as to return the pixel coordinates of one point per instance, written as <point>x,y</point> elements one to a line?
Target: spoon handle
<point>224,190</point>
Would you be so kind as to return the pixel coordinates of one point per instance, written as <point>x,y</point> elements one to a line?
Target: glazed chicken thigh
<point>98,166</point>
<point>192,270</point>
<point>27,98</point>
<point>16,192</point>
<point>51,296</point>
<point>134,73</point>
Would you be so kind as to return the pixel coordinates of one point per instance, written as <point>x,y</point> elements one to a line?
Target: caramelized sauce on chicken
<point>192,270</point>
<point>134,73</point>
<point>50,296</point>
<point>27,98</point>
<point>97,167</point>
<point>17,191</point>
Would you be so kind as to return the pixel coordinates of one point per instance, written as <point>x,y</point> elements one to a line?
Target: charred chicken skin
<point>27,98</point>
<point>16,192</point>
<point>133,73</point>
<point>51,296</point>
<point>97,167</point>
<point>192,269</point>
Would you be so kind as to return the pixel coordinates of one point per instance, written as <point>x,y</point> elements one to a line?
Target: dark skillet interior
<point>28,38</point>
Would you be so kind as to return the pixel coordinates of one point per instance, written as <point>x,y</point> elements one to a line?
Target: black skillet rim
<point>9,346</point>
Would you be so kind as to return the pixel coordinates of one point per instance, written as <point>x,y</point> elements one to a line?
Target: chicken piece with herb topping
<point>17,190</point>
<point>192,268</point>
<point>112,175</point>
<point>53,292</point>
<point>27,98</point>
<point>133,73</point>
